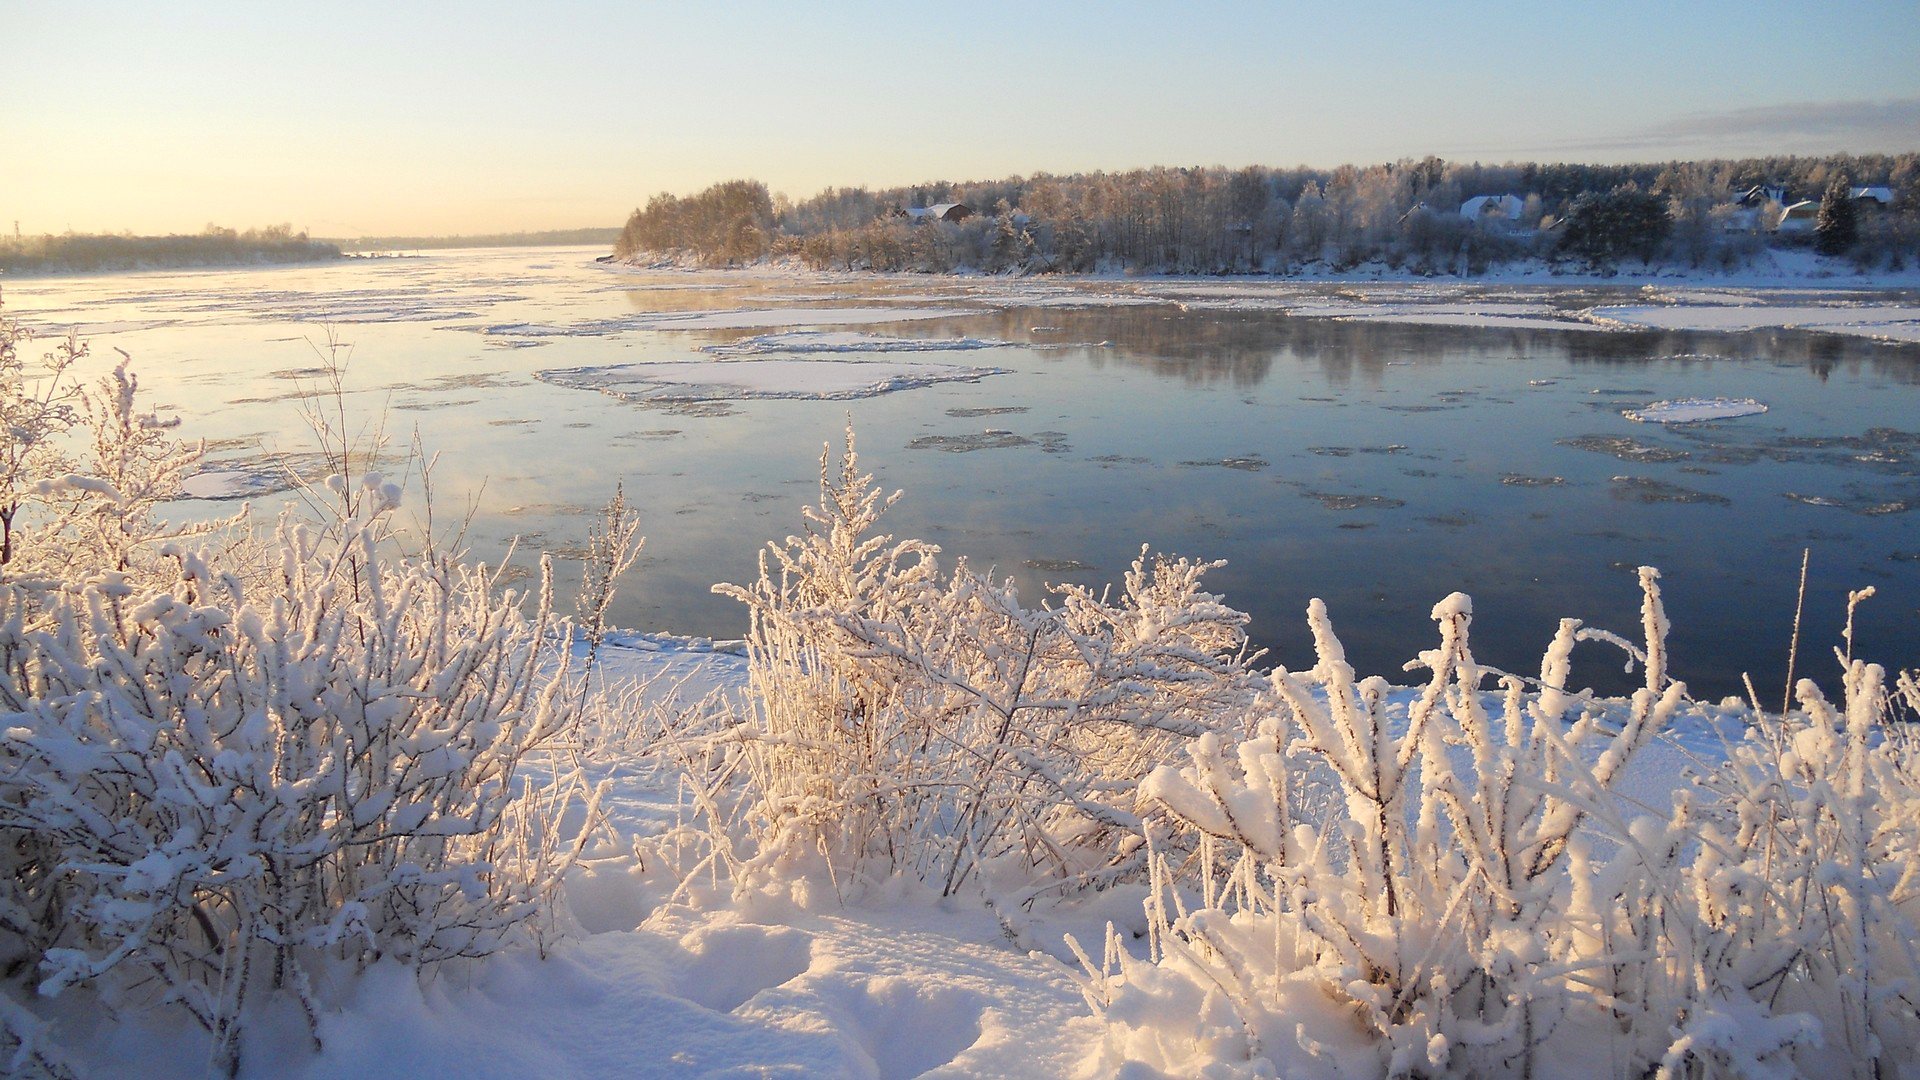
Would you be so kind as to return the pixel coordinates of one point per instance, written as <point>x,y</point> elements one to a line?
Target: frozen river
<point>1376,445</point>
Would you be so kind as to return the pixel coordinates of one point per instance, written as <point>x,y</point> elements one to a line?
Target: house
<point>1761,194</point>
<point>1800,217</point>
<point>950,211</point>
<point>1492,208</point>
<point>1872,198</point>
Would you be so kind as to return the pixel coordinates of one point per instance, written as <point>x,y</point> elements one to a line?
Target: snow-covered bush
<point>223,779</point>
<point>1795,892</point>
<point>910,722</point>
<point>1446,881</point>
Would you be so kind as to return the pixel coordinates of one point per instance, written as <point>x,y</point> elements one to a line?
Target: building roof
<point>1482,206</point>
<point>1881,195</point>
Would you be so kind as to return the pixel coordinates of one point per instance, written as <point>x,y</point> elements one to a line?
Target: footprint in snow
<point>728,965</point>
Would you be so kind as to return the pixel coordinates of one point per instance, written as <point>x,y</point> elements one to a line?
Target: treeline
<point>214,246</point>
<point>544,238</point>
<point>1405,215</point>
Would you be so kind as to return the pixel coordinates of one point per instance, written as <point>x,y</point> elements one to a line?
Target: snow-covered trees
<point>726,225</point>
<point>226,769</point>
<point>1210,220</point>
<point>1625,222</point>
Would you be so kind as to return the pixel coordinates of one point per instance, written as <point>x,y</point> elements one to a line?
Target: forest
<point>213,246</point>
<point>1405,215</point>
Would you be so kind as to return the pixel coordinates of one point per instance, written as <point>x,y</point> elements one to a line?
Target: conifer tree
<point>1838,226</point>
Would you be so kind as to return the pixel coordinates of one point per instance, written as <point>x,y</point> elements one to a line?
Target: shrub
<point>1475,898</point>
<point>221,775</point>
<point>906,722</point>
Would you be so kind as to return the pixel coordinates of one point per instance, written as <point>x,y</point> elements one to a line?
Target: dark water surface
<point>1378,465</point>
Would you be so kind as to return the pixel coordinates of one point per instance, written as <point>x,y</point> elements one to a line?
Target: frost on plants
<point>1447,881</point>
<point>910,721</point>
<point>225,775</point>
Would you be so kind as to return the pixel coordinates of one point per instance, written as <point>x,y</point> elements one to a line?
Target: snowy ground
<point>895,983</point>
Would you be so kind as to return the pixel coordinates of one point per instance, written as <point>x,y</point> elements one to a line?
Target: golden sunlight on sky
<point>357,119</point>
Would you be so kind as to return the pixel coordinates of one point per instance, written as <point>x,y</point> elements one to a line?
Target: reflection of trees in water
<point>1241,348</point>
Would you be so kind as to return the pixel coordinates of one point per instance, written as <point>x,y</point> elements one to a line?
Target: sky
<point>352,119</point>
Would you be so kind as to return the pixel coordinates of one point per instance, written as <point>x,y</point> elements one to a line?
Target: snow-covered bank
<point>1776,268</point>
<point>896,982</point>
<point>1787,290</point>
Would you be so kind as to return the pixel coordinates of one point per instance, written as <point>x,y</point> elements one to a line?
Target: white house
<point>1881,198</point>
<point>951,211</point>
<point>1492,208</point>
<point>1799,217</point>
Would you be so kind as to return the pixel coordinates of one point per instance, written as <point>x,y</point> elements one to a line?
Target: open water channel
<point>1050,428</point>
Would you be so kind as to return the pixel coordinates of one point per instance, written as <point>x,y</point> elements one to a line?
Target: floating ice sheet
<point>739,319</point>
<point>1891,322</point>
<point>846,341</point>
<point>1692,410</point>
<point>741,380</point>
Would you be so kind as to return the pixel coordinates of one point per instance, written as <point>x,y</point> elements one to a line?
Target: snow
<point>894,983</point>
<point>1690,410</point>
<point>1889,322</point>
<point>741,380</point>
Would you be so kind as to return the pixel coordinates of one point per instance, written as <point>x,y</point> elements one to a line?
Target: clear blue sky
<point>396,117</point>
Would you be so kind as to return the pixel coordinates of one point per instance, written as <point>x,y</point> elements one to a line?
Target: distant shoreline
<point>1777,269</point>
<point>81,253</point>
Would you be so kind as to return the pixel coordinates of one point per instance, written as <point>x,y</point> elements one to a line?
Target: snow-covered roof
<point>1484,206</point>
<point>1881,195</point>
<point>1803,208</point>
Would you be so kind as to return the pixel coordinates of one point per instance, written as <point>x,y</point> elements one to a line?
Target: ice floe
<point>1691,410</point>
<point>235,480</point>
<point>736,319</point>
<point>1891,322</point>
<point>741,380</point>
<point>846,341</point>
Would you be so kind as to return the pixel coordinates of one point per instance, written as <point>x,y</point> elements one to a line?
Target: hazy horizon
<point>366,120</point>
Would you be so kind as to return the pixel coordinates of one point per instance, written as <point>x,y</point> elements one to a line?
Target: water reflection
<point>1378,465</point>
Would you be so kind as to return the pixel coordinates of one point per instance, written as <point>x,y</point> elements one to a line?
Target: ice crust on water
<point>738,319</point>
<point>1691,410</point>
<point>845,341</point>
<point>743,380</point>
<point>1890,322</point>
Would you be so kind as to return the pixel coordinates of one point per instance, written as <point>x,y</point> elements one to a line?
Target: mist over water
<point>1378,464</point>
